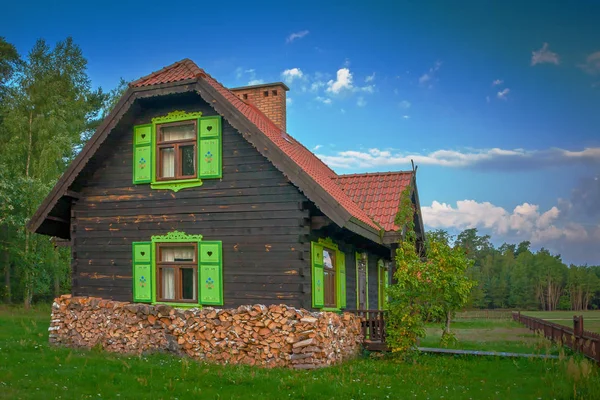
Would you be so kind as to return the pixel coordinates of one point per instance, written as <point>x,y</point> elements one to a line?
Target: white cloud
<point>544,55</point>
<point>289,101</point>
<point>406,116</point>
<point>370,78</point>
<point>525,221</point>
<point>290,74</point>
<point>317,147</point>
<point>368,89</point>
<point>323,100</point>
<point>503,94</point>
<point>497,82</point>
<point>296,35</point>
<point>343,81</point>
<point>430,74</point>
<point>361,102</point>
<point>255,82</point>
<point>343,111</point>
<point>405,104</point>
<point>592,64</point>
<point>490,159</point>
<point>315,86</point>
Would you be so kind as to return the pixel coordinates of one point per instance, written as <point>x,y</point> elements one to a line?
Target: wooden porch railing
<point>373,328</point>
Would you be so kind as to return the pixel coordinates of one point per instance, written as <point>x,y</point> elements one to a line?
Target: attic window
<point>245,96</point>
<point>274,92</point>
<point>266,93</point>
<point>176,150</point>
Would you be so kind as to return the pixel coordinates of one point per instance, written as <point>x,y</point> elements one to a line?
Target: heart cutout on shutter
<point>209,128</point>
<point>143,253</point>
<point>143,136</point>
<point>209,253</point>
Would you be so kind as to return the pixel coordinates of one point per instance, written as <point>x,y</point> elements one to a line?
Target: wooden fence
<point>576,338</point>
<point>373,328</point>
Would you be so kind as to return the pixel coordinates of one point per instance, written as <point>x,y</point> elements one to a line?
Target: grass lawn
<point>591,319</point>
<point>31,369</point>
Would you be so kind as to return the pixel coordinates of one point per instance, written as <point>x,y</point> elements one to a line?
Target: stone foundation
<point>273,336</point>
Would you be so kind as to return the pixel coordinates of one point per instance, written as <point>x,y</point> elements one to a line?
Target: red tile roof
<point>377,193</point>
<point>361,195</point>
<point>181,70</point>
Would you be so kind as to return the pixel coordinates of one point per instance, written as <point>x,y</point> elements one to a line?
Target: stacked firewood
<point>270,336</point>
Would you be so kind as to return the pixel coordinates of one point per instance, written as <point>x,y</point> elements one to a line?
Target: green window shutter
<point>318,278</point>
<point>210,154</point>
<point>210,273</point>
<point>387,284</point>
<point>142,272</point>
<point>341,268</point>
<point>142,154</point>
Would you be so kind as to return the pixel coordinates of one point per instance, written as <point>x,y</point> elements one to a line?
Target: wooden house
<point>190,193</point>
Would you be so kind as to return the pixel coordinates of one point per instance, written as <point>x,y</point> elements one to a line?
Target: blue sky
<point>498,103</point>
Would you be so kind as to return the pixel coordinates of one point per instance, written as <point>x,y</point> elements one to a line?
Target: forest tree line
<point>514,276</point>
<point>49,109</point>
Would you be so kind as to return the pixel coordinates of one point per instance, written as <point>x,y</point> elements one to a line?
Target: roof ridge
<point>189,64</point>
<point>375,173</point>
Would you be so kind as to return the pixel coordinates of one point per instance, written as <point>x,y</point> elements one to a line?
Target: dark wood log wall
<point>258,214</point>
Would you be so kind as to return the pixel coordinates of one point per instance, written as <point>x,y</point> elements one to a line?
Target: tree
<point>48,107</point>
<point>434,287</point>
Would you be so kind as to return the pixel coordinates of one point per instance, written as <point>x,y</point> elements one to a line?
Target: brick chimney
<point>268,98</point>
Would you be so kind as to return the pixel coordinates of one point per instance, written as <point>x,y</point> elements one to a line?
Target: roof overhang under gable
<point>44,221</point>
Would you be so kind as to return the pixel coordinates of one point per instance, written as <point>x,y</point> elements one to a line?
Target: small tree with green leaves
<point>426,288</point>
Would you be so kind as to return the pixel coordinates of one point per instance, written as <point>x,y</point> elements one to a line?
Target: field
<point>491,335</point>
<point>591,319</point>
<point>30,369</point>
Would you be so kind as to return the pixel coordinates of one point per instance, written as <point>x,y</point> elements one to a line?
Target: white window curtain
<point>179,132</point>
<point>168,162</point>
<point>168,283</point>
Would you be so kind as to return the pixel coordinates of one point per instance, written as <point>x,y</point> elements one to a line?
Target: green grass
<point>31,369</point>
<point>491,335</point>
<point>591,319</point>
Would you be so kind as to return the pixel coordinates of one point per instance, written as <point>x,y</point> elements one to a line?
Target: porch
<point>373,329</point>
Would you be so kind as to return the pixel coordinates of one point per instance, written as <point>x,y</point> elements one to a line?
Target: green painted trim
<point>328,242</point>
<point>218,137</point>
<point>367,278</point>
<point>331,309</point>
<point>176,237</point>
<point>178,305</point>
<point>220,264</point>
<point>356,256</point>
<point>133,264</point>
<point>135,144</point>
<point>176,185</point>
<point>176,116</point>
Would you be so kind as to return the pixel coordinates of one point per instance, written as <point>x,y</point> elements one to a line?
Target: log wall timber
<point>273,336</point>
<point>254,210</point>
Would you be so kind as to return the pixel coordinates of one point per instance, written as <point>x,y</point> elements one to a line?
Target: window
<point>328,275</point>
<point>329,278</point>
<point>176,150</point>
<point>177,272</point>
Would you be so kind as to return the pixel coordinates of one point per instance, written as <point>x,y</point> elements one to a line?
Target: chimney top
<point>270,98</point>
<point>262,85</point>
